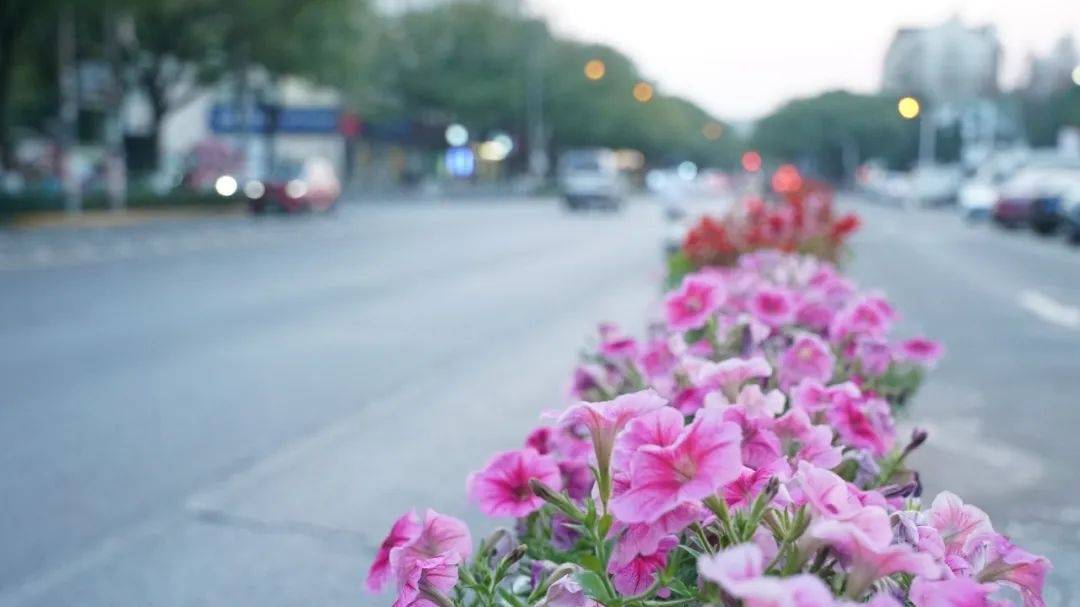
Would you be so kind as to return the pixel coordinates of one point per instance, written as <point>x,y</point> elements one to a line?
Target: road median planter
<point>742,452</point>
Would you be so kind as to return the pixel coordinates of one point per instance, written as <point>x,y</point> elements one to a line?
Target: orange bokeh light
<point>595,69</point>
<point>786,179</point>
<point>643,92</point>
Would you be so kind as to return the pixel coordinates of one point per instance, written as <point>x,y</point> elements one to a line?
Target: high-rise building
<point>946,63</point>
<point>1052,73</point>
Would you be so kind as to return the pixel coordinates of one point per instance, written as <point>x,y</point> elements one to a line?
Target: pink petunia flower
<point>404,530</point>
<point>615,345</point>
<point>566,592</point>
<point>827,494</point>
<point>921,351</point>
<point>633,576</point>
<point>502,487</point>
<point>690,306</point>
<point>739,571</point>
<point>760,445</point>
<point>732,568</point>
<point>874,356</point>
<point>773,306</point>
<point>996,559</point>
<point>804,441</point>
<point>955,592</point>
<point>660,427</point>
<point>658,360</point>
<point>730,374</point>
<point>809,357</point>
<point>742,491</point>
<point>867,554</point>
<point>606,419</point>
<point>867,317</point>
<point>956,521</point>
<point>863,423</point>
<point>431,558</point>
<point>703,458</point>
<point>644,538</point>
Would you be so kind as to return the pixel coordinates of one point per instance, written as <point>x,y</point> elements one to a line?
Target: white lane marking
<point>1050,310</point>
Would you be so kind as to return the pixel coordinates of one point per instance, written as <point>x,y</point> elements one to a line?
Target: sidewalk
<point>112,219</point>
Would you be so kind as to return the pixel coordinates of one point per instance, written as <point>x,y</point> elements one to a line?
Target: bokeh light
<point>786,179</point>
<point>457,135</point>
<point>712,130</point>
<point>908,107</point>
<point>595,69</point>
<point>751,161</point>
<point>225,185</point>
<point>643,92</point>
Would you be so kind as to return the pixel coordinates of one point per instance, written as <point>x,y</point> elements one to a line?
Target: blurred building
<point>1052,73</point>
<point>289,120</point>
<point>945,63</point>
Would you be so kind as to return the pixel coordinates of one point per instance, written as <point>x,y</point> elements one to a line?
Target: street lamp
<point>712,130</point>
<point>908,108</point>
<point>595,69</point>
<point>643,92</point>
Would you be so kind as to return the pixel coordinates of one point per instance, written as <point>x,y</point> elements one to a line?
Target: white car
<point>590,177</point>
<point>976,199</point>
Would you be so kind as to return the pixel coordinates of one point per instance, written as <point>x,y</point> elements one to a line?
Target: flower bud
<point>432,594</point>
<point>515,555</point>
<point>904,490</point>
<point>555,498</point>
<point>918,437</point>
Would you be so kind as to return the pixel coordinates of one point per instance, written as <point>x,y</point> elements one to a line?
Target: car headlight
<point>296,189</point>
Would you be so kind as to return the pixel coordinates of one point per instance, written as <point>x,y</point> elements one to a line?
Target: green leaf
<point>605,525</point>
<point>592,563</point>
<point>680,588</point>
<point>593,585</point>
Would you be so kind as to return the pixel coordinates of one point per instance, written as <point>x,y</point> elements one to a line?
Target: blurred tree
<point>180,45</point>
<point>169,51</point>
<point>18,20</point>
<point>461,61</point>
<point>820,131</point>
<point>1044,116</point>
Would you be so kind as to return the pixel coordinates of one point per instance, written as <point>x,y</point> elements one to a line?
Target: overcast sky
<point>742,59</point>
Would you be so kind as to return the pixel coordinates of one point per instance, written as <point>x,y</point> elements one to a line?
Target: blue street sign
<point>228,118</point>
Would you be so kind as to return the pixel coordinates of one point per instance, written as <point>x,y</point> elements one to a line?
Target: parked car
<point>976,199</point>
<point>295,187</point>
<point>936,185</point>
<point>590,178</point>
<point>1032,197</point>
<point>1070,211</point>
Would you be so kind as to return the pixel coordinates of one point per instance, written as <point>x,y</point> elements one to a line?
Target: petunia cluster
<point>799,221</point>
<point>743,453</point>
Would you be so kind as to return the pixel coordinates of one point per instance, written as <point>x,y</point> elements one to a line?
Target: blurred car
<point>936,185</point>
<point>590,178</point>
<point>311,186</point>
<point>1033,197</point>
<point>1070,211</point>
<point>976,199</point>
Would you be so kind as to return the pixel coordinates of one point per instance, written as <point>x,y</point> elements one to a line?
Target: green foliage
<point>815,131</point>
<point>1044,117</point>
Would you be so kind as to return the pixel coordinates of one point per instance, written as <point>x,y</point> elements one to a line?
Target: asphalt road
<point>231,411</point>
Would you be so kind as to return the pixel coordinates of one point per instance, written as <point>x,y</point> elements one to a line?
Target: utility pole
<point>534,110</point>
<point>69,108</point>
<point>115,161</point>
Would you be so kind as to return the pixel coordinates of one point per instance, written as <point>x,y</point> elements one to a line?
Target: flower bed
<point>801,220</point>
<point>744,453</point>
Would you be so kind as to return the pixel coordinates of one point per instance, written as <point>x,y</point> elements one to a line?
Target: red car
<point>1011,212</point>
<point>294,188</point>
